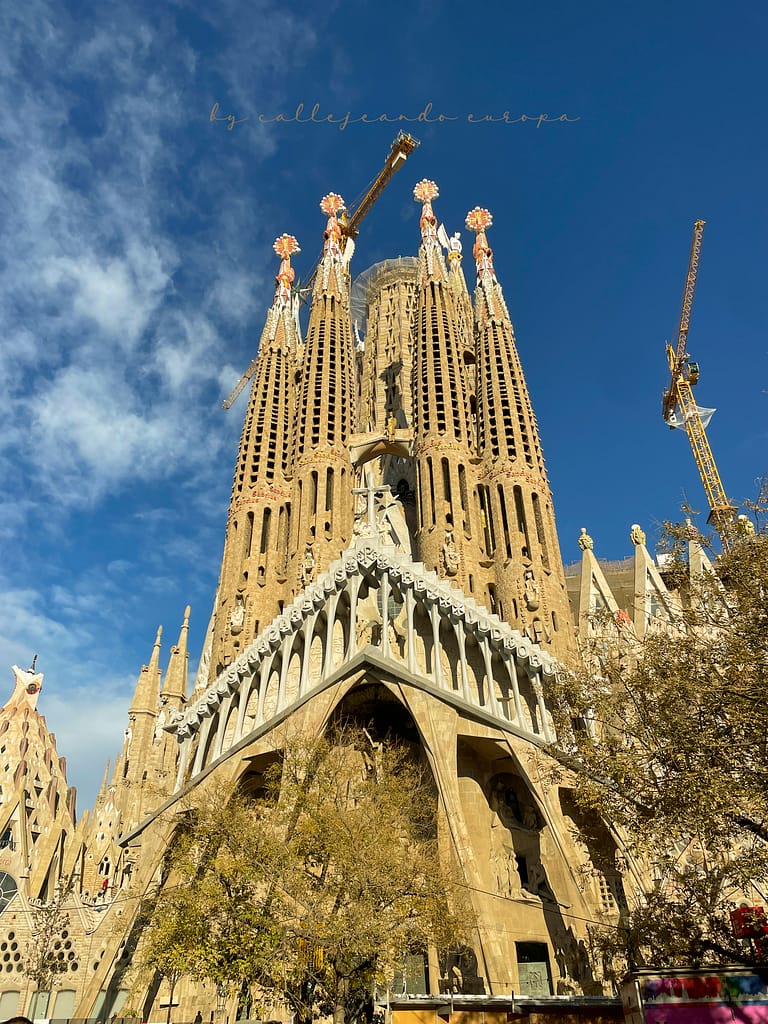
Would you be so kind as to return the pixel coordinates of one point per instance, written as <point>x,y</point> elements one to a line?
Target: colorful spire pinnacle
<point>479,220</point>
<point>424,192</point>
<point>285,246</point>
<point>331,205</point>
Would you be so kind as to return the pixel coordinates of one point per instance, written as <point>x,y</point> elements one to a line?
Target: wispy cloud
<point>123,260</point>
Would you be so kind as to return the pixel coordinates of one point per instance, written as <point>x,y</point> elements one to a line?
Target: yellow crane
<point>679,396</point>
<point>399,152</point>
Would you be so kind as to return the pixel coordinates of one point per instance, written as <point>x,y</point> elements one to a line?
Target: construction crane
<point>679,395</point>
<point>350,222</point>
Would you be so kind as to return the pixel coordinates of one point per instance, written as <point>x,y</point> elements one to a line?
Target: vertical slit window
<point>522,523</point>
<point>447,487</point>
<point>265,524</point>
<point>485,506</point>
<point>504,523</point>
<point>313,493</point>
<point>464,499</point>
<point>248,535</point>
<point>431,492</point>
<point>328,490</point>
<point>540,534</point>
<point>298,516</point>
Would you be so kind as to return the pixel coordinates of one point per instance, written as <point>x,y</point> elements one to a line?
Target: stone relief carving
<point>308,565</point>
<point>451,557</point>
<point>532,600</point>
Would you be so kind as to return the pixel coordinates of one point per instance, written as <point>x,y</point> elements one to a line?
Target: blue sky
<point>136,268</point>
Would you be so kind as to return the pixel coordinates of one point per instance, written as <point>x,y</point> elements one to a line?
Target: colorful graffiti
<point>706,998</point>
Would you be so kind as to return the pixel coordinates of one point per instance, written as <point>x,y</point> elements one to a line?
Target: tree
<point>46,957</point>
<point>320,884</point>
<point>667,740</point>
<point>171,946</point>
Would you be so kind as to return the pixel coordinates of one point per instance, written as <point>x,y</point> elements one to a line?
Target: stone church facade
<point>391,556</point>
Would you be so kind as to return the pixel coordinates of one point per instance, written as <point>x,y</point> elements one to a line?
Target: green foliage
<point>675,757</point>
<point>44,962</point>
<point>317,887</point>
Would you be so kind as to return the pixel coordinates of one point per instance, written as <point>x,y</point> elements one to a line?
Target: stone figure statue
<point>237,615</point>
<point>451,557</point>
<point>531,591</point>
<point>307,571</point>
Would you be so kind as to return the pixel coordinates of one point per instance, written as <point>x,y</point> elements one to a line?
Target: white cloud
<point>134,271</point>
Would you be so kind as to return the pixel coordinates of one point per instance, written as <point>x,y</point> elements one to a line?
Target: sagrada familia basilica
<point>390,555</point>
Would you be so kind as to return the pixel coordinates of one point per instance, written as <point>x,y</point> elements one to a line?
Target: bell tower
<point>518,533</point>
<point>442,442</point>
<point>254,580</point>
<point>325,413</point>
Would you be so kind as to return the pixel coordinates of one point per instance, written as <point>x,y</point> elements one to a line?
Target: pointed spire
<point>491,304</point>
<point>336,253</point>
<point>154,661</point>
<point>102,794</point>
<point>424,192</point>
<point>175,685</point>
<point>285,246</point>
<point>148,684</point>
<point>284,310</point>
<point>478,220</point>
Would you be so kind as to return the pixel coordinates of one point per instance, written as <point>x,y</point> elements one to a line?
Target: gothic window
<point>8,889</point>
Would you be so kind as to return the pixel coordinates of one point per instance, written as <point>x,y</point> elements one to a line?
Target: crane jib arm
<point>401,148</point>
<point>677,359</point>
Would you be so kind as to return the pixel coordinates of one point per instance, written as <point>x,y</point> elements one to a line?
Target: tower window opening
<point>281,531</point>
<point>487,517</point>
<point>464,499</point>
<point>504,523</point>
<point>522,523</point>
<point>493,603</point>
<point>313,493</point>
<point>481,520</point>
<point>447,489</point>
<point>265,527</point>
<point>328,489</point>
<point>420,502</point>
<point>298,516</point>
<point>541,535</point>
<point>431,492</point>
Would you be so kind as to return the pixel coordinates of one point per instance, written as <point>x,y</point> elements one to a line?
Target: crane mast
<point>679,395</point>
<point>351,220</point>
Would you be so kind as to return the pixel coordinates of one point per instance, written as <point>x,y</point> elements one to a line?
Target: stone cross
<point>371,491</point>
